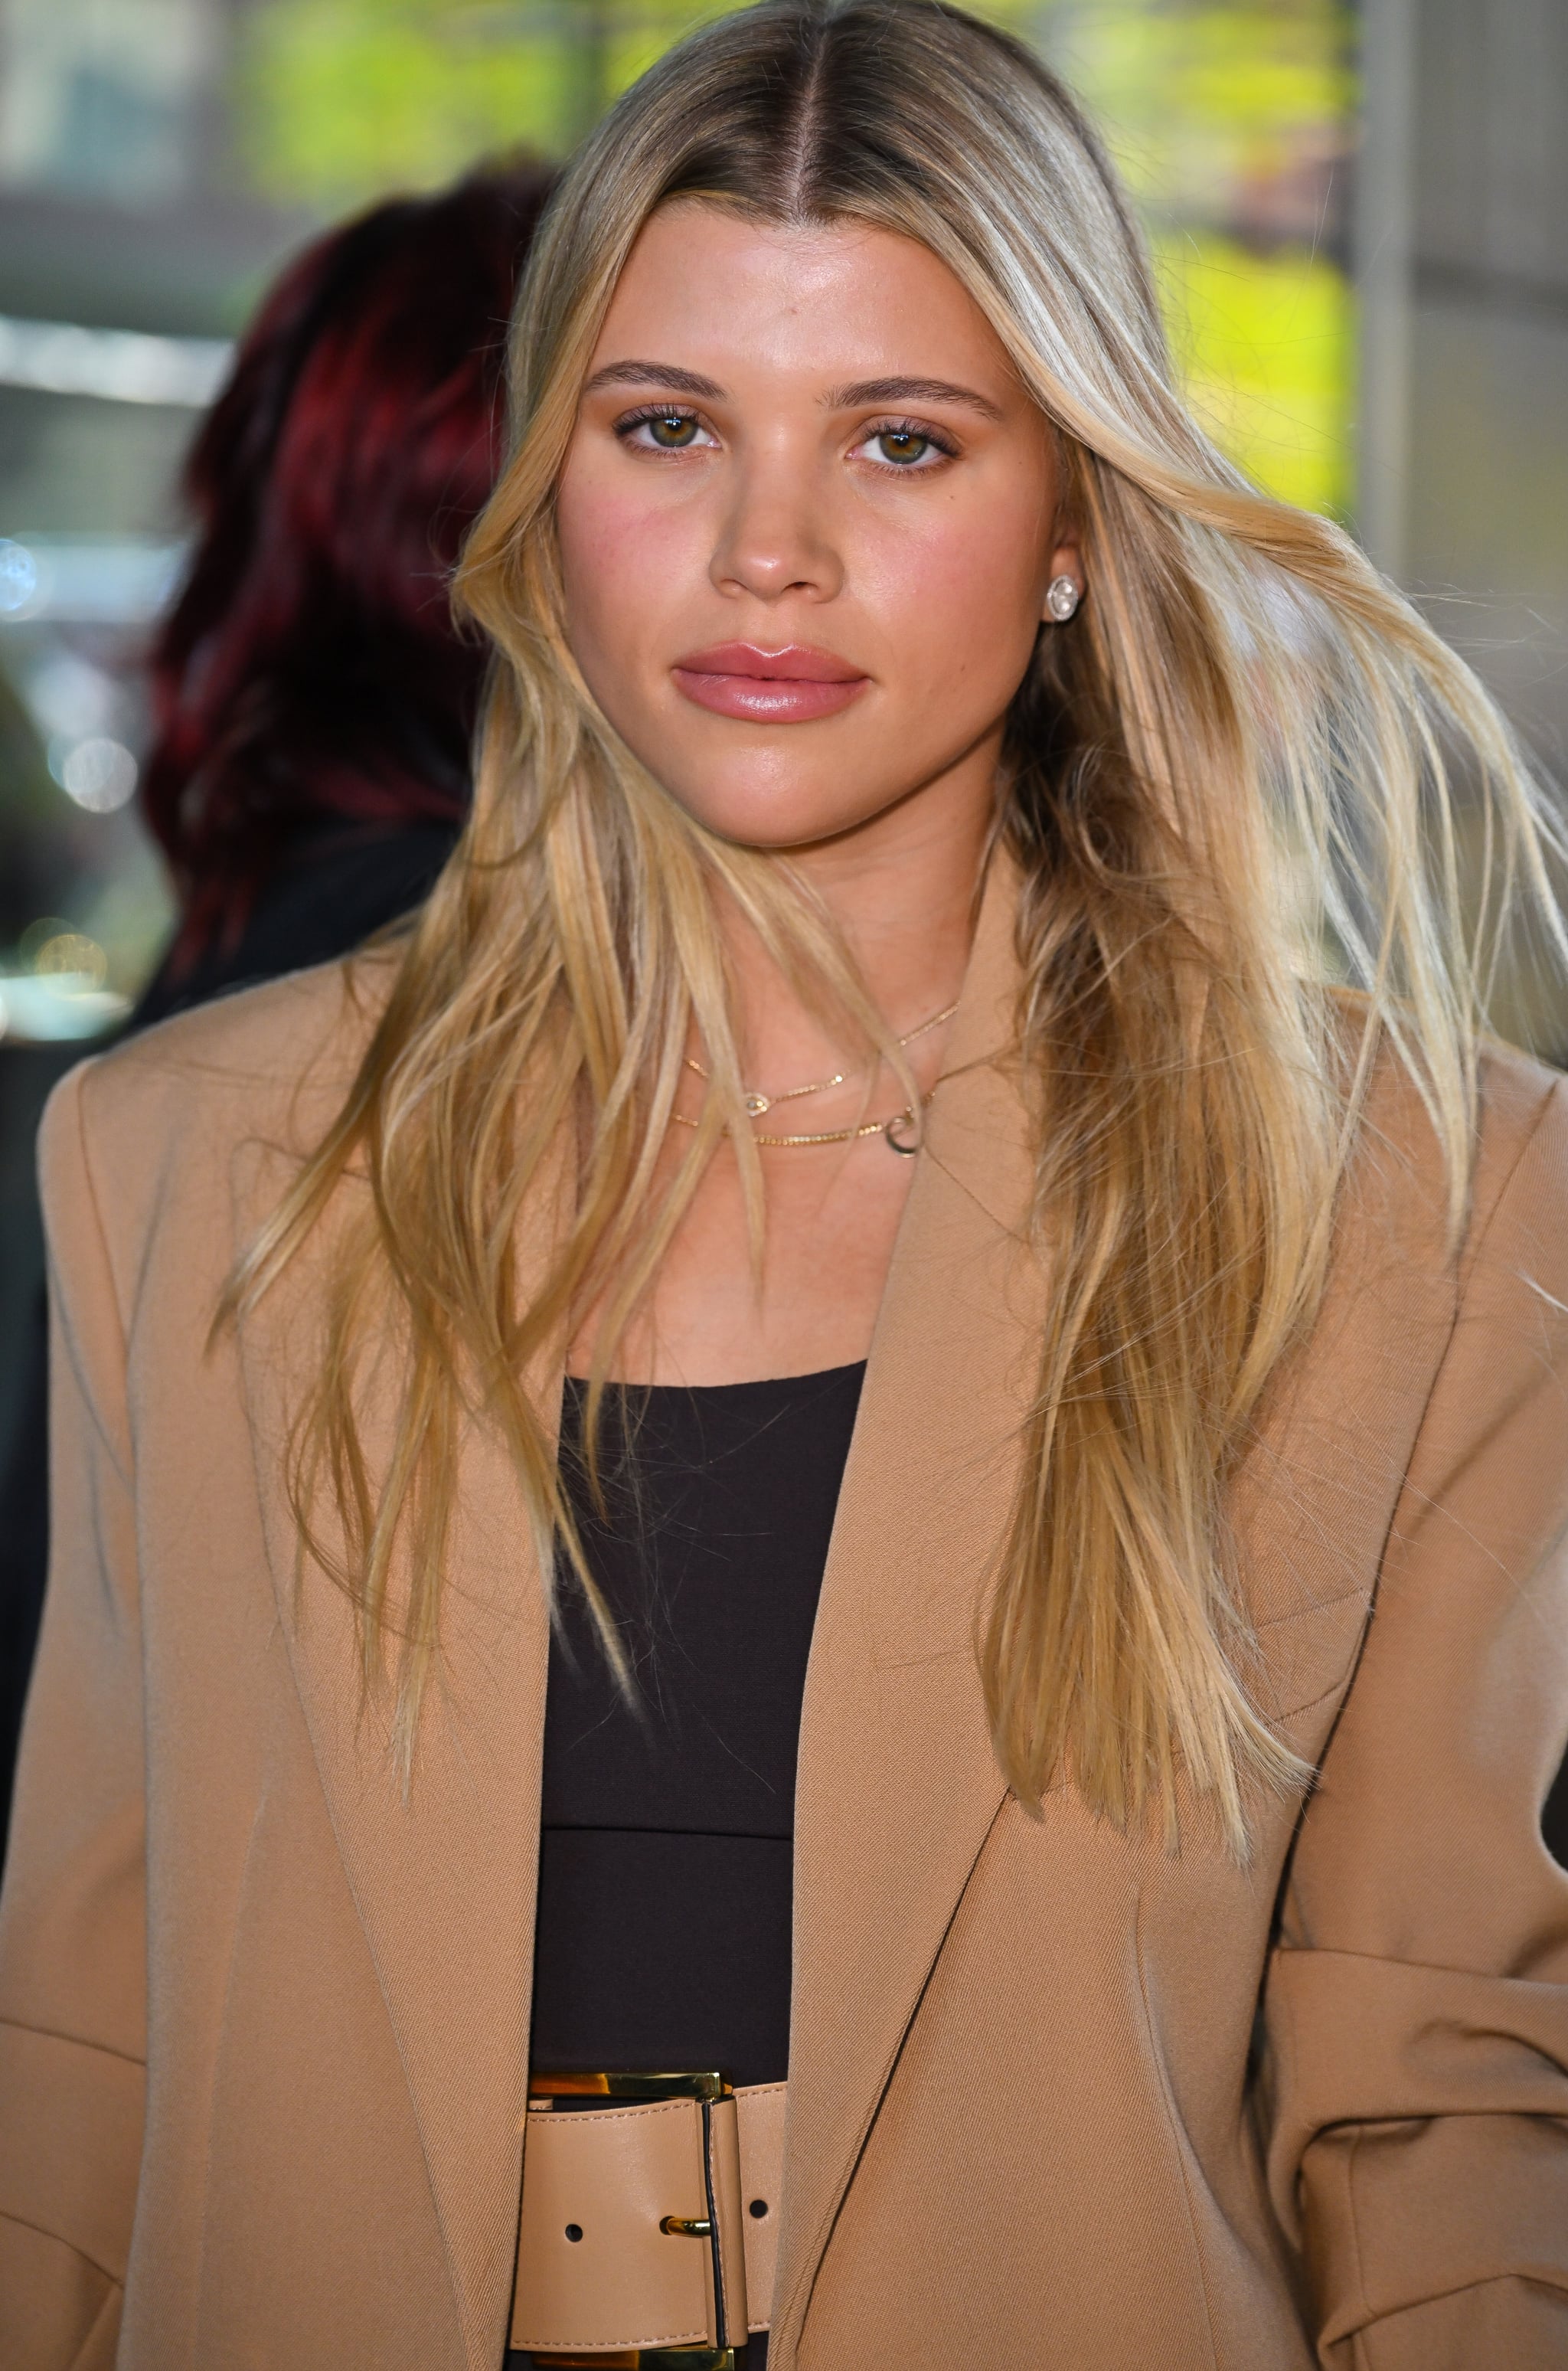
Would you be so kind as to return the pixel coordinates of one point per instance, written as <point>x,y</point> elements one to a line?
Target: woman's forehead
<point>725,294</point>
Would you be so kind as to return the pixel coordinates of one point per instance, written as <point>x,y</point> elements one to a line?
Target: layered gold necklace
<point>894,1131</point>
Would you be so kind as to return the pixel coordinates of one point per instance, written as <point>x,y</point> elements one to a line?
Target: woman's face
<point>807,521</point>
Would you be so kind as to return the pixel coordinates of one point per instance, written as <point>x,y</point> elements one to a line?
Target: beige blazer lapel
<point>897,1790</point>
<point>897,1786</point>
<point>444,1878</point>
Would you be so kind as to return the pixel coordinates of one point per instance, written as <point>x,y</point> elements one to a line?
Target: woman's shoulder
<point>270,1064</point>
<point>303,1032</point>
<point>1519,1210</point>
<point>1520,1154</point>
<point>1523,1117</point>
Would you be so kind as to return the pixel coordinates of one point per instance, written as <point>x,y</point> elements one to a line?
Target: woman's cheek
<point>602,547</point>
<point>620,550</point>
<point>961,599</point>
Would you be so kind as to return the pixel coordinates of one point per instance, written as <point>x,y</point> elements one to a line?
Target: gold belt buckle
<point>705,2087</point>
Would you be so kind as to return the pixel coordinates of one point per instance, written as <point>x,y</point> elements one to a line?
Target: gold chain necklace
<point>757,1103</point>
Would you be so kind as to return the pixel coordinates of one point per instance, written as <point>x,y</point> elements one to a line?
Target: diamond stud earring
<point>1062,597</point>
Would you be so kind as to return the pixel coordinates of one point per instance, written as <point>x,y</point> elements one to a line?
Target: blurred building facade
<point>1462,267</point>
<point>1463,232</point>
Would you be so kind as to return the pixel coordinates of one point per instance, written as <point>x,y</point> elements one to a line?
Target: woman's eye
<point>663,432</point>
<point>905,448</point>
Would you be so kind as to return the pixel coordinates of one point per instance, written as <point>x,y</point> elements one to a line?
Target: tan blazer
<point>1059,2101</point>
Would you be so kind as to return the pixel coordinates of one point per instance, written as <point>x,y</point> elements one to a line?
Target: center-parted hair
<point>1227,786</point>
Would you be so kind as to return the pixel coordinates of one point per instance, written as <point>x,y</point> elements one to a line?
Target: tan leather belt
<point>650,2220</point>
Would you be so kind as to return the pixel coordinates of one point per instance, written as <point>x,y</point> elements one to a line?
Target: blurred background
<point>1358,214</point>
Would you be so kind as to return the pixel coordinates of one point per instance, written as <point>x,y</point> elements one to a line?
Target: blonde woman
<point>863,1153</point>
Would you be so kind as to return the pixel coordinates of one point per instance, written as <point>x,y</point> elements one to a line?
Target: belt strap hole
<point>758,2207</point>
<point>574,2230</point>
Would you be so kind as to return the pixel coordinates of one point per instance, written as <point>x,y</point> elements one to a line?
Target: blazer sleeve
<point>72,1916</point>
<point>1416,2006</point>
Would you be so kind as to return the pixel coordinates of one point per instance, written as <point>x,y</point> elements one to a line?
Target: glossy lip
<point>793,686</point>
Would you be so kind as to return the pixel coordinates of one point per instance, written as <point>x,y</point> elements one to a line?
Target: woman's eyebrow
<point>911,390</point>
<point>675,381</point>
<point>665,375</point>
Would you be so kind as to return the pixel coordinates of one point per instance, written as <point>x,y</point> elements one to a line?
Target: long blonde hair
<point>1229,782</point>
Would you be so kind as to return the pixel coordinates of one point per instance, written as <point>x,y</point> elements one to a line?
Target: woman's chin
<point>772,807</point>
<point>771,816</point>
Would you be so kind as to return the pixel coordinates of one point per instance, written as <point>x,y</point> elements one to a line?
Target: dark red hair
<point>309,670</point>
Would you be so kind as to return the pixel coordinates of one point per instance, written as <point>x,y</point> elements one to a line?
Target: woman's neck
<point>902,891</point>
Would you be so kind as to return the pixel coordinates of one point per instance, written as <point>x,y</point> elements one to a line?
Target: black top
<point>668,1821</point>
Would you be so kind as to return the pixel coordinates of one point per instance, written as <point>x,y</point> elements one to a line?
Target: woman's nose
<point>774,539</point>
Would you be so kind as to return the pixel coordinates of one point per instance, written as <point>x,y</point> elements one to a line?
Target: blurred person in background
<point>314,704</point>
<point>313,700</point>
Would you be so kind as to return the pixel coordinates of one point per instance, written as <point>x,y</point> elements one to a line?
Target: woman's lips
<point>787,687</point>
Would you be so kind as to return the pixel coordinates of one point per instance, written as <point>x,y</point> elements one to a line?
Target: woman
<point>918,786</point>
<point>314,704</point>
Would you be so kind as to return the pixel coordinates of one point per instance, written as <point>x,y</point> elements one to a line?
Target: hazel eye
<point>905,445</point>
<point>663,430</point>
<point>902,444</point>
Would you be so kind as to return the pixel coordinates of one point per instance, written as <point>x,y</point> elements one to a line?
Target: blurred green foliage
<point>343,99</point>
<point>1232,125</point>
<point>1265,346</point>
<point>1199,96</point>
<point>1229,118</point>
